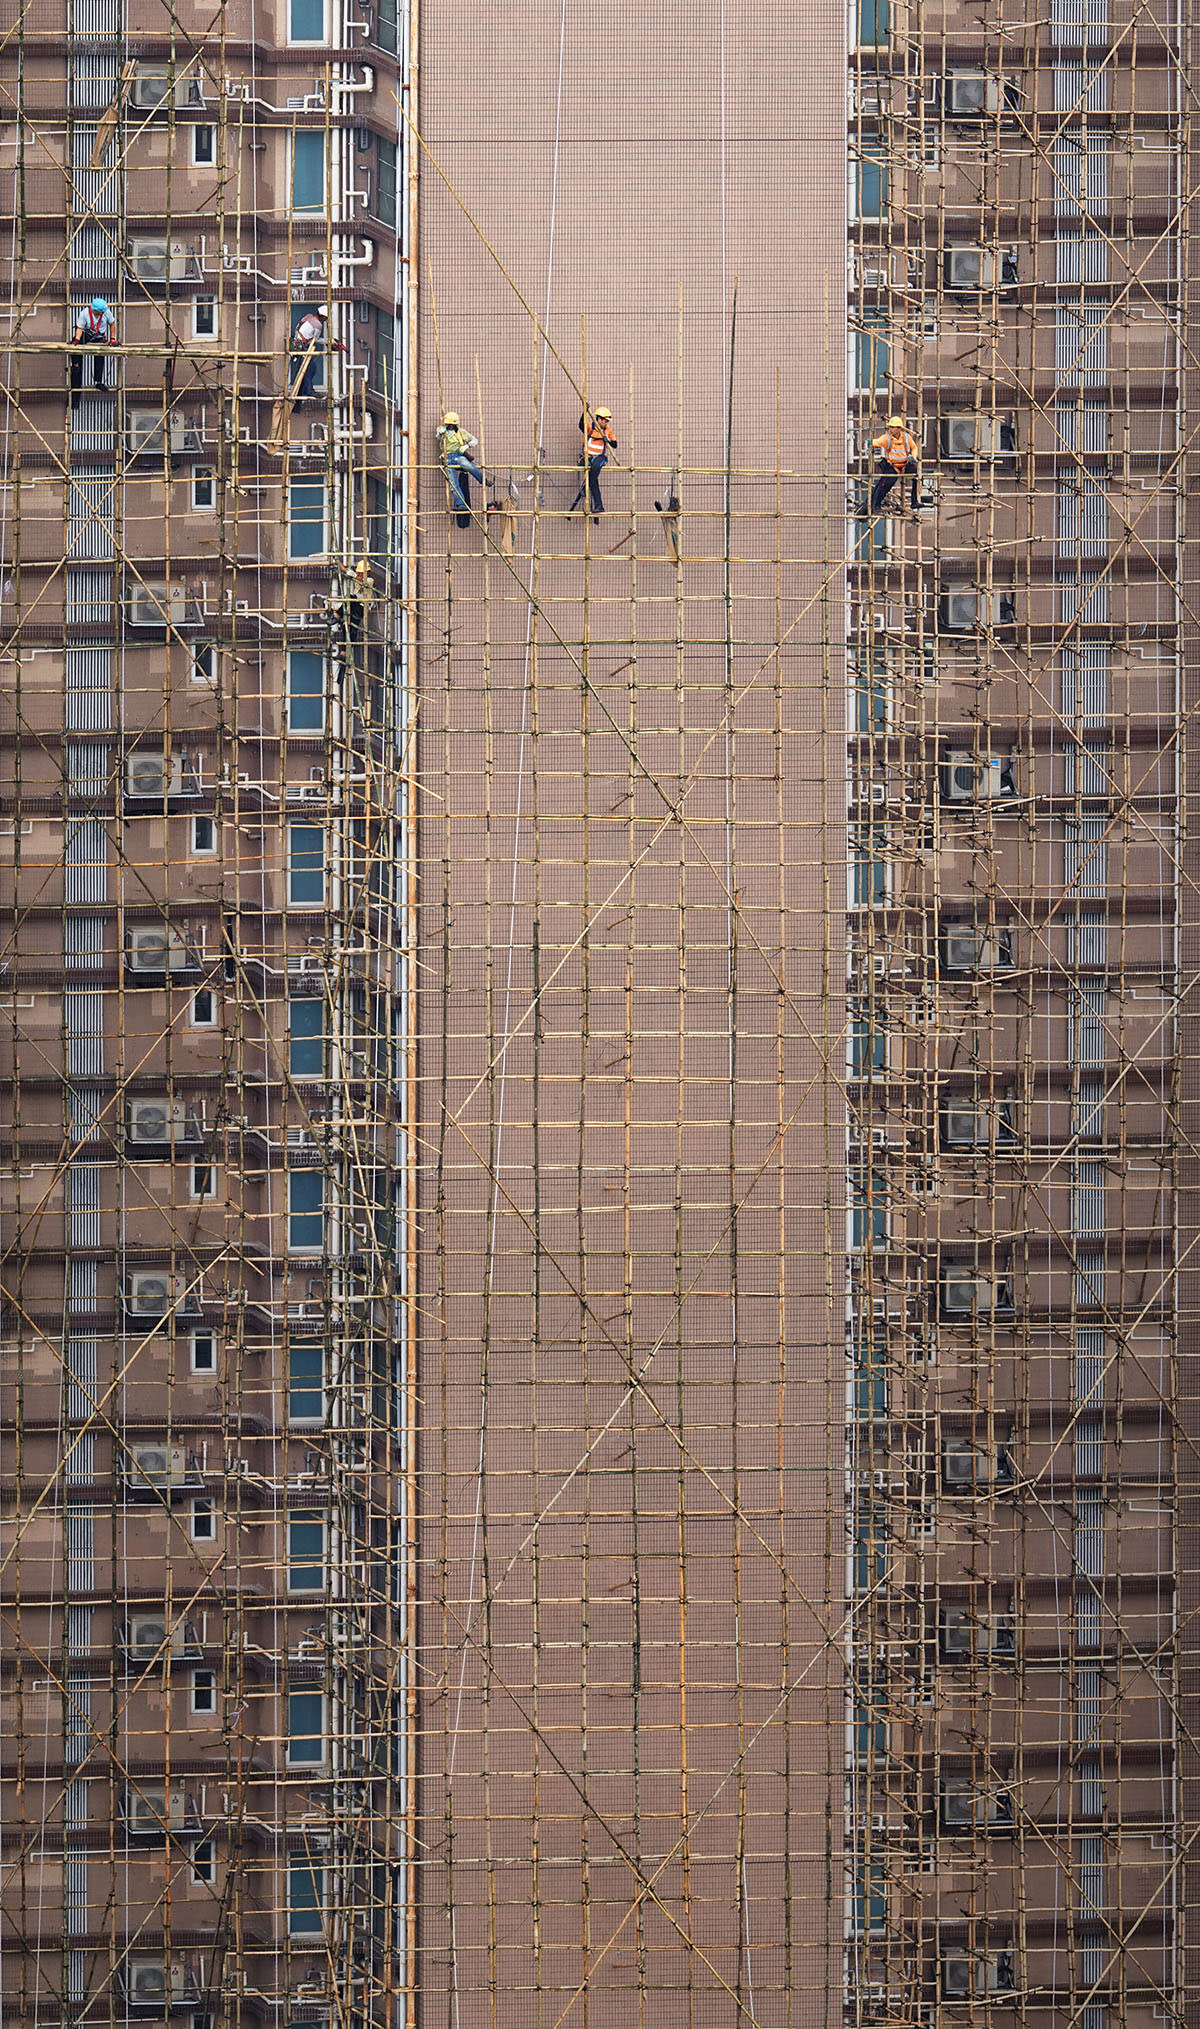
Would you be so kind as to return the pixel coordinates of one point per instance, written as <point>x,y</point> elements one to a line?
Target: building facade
<point>594,1191</point>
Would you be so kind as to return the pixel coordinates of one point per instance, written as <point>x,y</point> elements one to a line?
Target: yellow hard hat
<point>894,422</point>
<point>450,418</point>
<point>603,415</point>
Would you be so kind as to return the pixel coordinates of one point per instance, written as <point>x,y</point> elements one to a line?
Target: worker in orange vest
<point>598,441</point>
<point>899,455</point>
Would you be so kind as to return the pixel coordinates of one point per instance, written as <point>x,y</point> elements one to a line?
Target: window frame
<point>306,1218</point>
<point>307,1518</point>
<point>319,1737</point>
<point>302,159</point>
<point>196,821</point>
<point>198,1021</point>
<point>202,662</point>
<point>298,1866</point>
<point>307,41</point>
<point>202,1519</point>
<point>195,1339</point>
<point>199,160</point>
<point>302,524</point>
<point>300,1040</point>
<point>306,866</point>
<point>202,1181</point>
<point>204,1862</point>
<point>306,1385</point>
<point>199,1678</point>
<point>203,489</point>
<point>198,332</point>
<point>298,658</point>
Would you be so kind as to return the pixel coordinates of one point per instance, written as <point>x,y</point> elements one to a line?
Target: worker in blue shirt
<point>96,326</point>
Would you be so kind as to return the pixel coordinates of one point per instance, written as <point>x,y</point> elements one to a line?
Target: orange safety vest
<point>600,437</point>
<point>897,447</point>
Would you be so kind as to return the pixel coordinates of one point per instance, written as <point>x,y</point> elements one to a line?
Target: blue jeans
<point>595,467</point>
<point>460,468</point>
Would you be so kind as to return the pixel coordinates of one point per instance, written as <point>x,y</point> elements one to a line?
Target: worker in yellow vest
<point>899,455</point>
<point>598,440</point>
<point>455,446</point>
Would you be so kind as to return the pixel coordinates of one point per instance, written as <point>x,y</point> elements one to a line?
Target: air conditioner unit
<point>144,434</point>
<point>155,1467</point>
<point>152,89</point>
<point>148,1808</point>
<point>968,612</point>
<point>154,1292</point>
<point>159,1121</point>
<point>159,949</point>
<point>157,606</point>
<point>965,949</point>
<point>149,1637</point>
<point>976,1977</point>
<point>967,780</point>
<point>157,1985</point>
<point>970,94</point>
<point>155,260</point>
<point>152,775</point>
<point>965,269</point>
<point>992,437</point>
<point>973,1296</point>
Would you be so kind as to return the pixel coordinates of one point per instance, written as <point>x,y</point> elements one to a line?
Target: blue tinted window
<point>306,20</point>
<point>306,1380</point>
<point>306,1551</point>
<point>306,1896</point>
<point>306,1038</point>
<point>306,1726</point>
<point>308,172</point>
<point>306,863</point>
<point>306,1208</point>
<point>306,691</point>
<point>306,519</point>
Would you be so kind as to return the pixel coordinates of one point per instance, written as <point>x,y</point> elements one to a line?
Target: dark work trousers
<point>313,372</point>
<point>889,477</point>
<point>97,362</point>
<point>595,467</point>
<point>459,471</point>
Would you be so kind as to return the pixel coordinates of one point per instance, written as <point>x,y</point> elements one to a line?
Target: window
<point>203,1353</point>
<point>305,691</point>
<point>204,317</point>
<point>306,865</point>
<point>379,533</point>
<point>203,1691</point>
<point>306,1551</point>
<point>869,197</point>
<point>306,1897</point>
<point>204,1864</point>
<point>204,836</point>
<point>306,20</point>
<point>204,490</point>
<point>869,871</point>
<point>385,182</point>
<point>868,1044</point>
<point>869,1211</point>
<point>306,1728</point>
<point>382,371</point>
<point>204,1008</point>
<point>306,1210</point>
<point>306,519</point>
<point>871,23</point>
<point>871,355</point>
<point>204,1521</point>
<point>385,24</point>
<point>306,1381</point>
<point>308,171</point>
<point>204,663</point>
<point>306,1037</point>
<point>202,1180</point>
<point>870,1734</point>
<point>870,1549</point>
<point>870,1376</point>
<point>871,539</point>
<point>204,146</point>
<point>870,1901</point>
<point>872,696</point>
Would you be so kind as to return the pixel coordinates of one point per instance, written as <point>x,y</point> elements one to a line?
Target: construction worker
<point>311,331</point>
<point>96,326</point>
<point>899,455</point>
<point>598,441</point>
<point>455,446</point>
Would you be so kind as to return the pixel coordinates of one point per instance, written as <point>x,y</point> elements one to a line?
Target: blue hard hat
<point>98,303</point>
